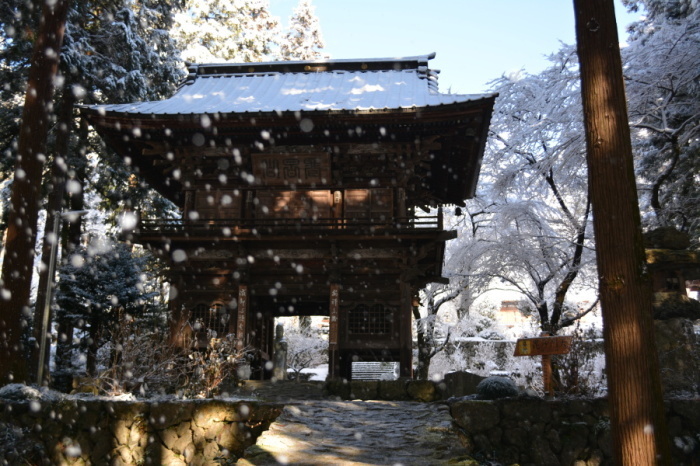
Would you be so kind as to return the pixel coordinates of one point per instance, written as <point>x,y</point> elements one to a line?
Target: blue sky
<point>475,41</point>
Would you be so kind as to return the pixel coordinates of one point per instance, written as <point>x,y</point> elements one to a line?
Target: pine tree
<point>113,51</point>
<point>303,41</point>
<point>226,30</point>
<point>99,285</point>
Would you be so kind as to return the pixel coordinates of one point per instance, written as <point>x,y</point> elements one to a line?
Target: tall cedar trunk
<point>70,241</point>
<point>21,231</point>
<point>64,343</point>
<point>639,432</point>
<point>93,343</point>
<point>55,205</point>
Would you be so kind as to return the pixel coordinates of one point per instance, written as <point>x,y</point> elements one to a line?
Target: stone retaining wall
<point>455,384</point>
<point>194,432</point>
<point>394,390</point>
<point>566,432</point>
<point>188,432</point>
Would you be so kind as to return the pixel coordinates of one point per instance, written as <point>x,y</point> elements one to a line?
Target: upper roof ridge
<point>418,62</point>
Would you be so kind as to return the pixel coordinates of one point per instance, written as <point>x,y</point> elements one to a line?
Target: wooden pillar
<point>547,375</point>
<point>401,212</point>
<point>189,204</point>
<point>334,369</point>
<point>405,335</point>
<point>232,324</point>
<point>180,328</point>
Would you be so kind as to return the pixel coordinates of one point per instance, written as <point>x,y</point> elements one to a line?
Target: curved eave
<point>464,123</point>
<point>193,121</point>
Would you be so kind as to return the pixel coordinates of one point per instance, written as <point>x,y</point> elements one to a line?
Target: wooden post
<point>547,369</point>
<point>189,205</point>
<point>544,346</point>
<point>242,315</point>
<point>180,330</point>
<point>406,335</point>
<point>334,310</point>
<point>52,234</point>
<point>547,374</point>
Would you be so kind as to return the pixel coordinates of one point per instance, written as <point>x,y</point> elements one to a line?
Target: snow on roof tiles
<point>331,85</point>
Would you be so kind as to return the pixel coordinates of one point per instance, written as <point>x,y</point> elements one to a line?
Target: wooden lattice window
<point>212,318</point>
<point>292,169</point>
<point>369,203</point>
<point>309,205</point>
<point>370,320</point>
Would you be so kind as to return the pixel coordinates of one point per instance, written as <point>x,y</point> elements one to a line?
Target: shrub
<point>145,363</point>
<point>580,372</point>
<point>495,387</point>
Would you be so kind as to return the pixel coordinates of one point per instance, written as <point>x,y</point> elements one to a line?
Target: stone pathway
<point>355,433</point>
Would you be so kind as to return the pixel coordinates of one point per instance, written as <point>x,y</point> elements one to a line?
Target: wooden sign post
<point>544,346</point>
<point>333,329</point>
<point>242,314</point>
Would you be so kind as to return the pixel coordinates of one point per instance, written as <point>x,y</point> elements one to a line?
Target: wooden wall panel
<point>218,204</point>
<point>292,169</point>
<point>293,204</point>
<point>369,203</point>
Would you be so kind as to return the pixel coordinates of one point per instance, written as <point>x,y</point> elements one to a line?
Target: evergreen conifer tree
<point>303,40</point>
<point>226,30</point>
<point>101,284</point>
<point>113,51</point>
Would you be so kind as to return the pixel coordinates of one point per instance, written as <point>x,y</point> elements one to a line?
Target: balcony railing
<point>264,226</point>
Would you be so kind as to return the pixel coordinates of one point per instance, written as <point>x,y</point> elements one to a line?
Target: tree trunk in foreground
<point>53,210</point>
<point>639,432</point>
<point>22,222</point>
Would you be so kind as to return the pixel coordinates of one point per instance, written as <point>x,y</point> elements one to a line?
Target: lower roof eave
<point>193,121</point>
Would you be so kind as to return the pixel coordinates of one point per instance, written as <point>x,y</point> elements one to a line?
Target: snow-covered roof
<point>327,85</point>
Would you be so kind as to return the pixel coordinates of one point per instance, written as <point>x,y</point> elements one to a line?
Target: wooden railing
<point>229,227</point>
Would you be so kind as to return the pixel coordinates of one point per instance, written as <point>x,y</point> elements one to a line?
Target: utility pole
<point>639,432</point>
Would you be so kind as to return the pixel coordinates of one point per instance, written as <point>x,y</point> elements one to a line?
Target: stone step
<point>278,391</point>
<point>354,433</point>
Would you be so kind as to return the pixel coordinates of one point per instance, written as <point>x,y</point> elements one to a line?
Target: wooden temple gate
<point>304,207</point>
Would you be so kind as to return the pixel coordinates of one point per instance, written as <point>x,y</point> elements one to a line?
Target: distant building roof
<point>328,85</point>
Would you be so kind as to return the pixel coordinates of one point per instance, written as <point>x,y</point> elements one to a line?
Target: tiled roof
<point>331,85</point>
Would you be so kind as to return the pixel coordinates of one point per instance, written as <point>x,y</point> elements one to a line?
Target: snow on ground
<point>17,392</point>
<point>317,373</point>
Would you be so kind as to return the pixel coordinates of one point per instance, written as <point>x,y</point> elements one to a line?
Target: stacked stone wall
<point>71,432</point>
<point>509,431</point>
<point>566,432</point>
